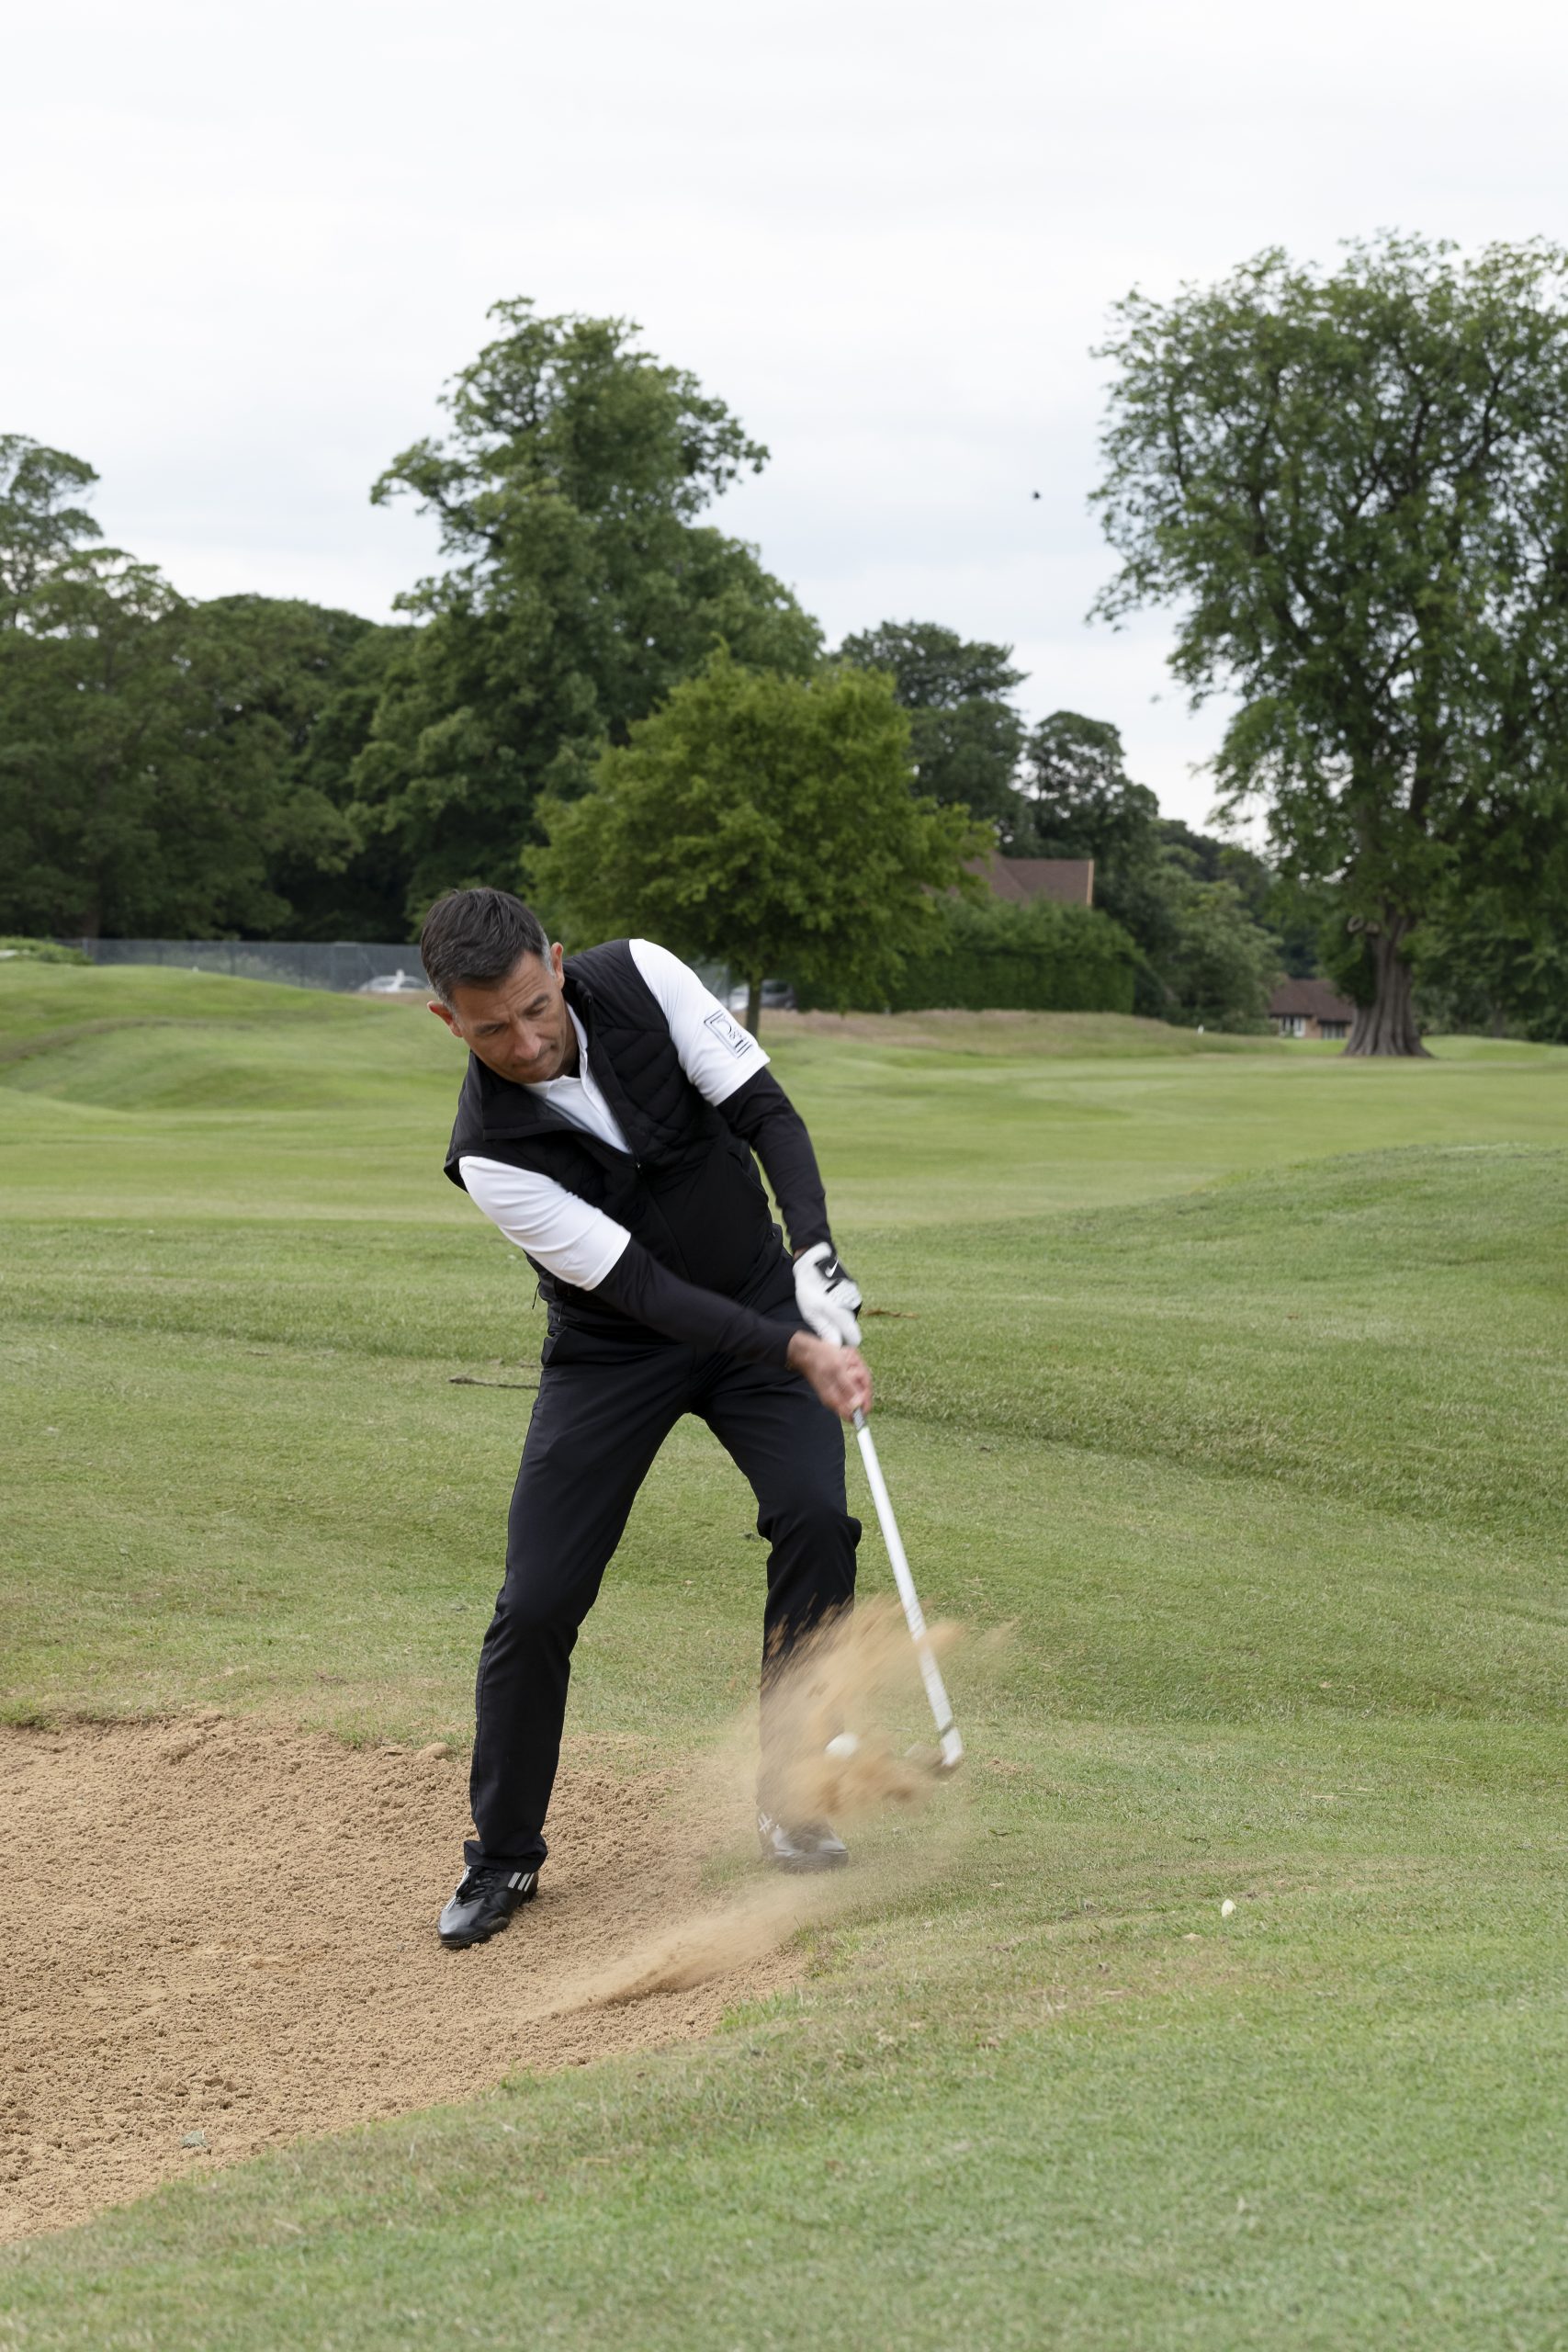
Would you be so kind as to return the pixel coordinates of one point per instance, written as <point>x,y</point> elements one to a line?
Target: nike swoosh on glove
<point>826,1295</point>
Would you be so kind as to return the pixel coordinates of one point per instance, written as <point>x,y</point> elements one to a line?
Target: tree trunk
<point>754,1005</point>
<point>1387,1025</point>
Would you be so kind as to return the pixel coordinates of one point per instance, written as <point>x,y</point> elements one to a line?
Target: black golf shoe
<point>800,1845</point>
<point>483,1905</point>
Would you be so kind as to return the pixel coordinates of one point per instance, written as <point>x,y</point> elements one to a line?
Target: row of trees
<point>1351,489</point>
<point>597,693</point>
<point>166,767</point>
<point>1211,925</point>
<point>269,767</point>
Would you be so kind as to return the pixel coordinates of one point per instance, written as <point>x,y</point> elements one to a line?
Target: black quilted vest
<point>688,1190</point>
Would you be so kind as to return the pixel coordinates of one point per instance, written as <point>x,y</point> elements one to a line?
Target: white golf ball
<point>1226,1907</point>
<point>844,1745</point>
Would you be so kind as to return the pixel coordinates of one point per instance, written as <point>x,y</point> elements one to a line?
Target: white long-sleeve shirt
<point>567,1235</point>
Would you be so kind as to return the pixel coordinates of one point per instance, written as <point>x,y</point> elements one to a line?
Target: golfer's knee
<point>816,1540</point>
<point>811,1572</point>
<point>805,1519</point>
<point>527,1607</point>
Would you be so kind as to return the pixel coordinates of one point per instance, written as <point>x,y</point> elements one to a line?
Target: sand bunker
<point>222,1928</point>
<point>858,1674</point>
<point>222,1934</point>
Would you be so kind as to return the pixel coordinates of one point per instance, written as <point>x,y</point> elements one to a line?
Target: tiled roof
<point>1314,998</point>
<point>1068,880</point>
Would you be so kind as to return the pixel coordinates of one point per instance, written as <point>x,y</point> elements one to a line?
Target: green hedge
<point>39,951</point>
<point>989,956</point>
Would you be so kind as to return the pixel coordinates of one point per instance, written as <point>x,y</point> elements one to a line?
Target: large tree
<point>765,822</point>
<point>40,527</point>
<point>128,802</point>
<point>306,679</point>
<point>1193,905</point>
<point>155,753</point>
<point>1496,958</point>
<point>1211,965</point>
<point>1353,487</point>
<point>963,729</point>
<point>170,766</point>
<point>1082,802</point>
<point>580,585</point>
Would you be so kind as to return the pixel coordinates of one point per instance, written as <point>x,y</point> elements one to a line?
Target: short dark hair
<point>473,938</point>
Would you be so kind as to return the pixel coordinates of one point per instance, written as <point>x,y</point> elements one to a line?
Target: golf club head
<point>943,1759</point>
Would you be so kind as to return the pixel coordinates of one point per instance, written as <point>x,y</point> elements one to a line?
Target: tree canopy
<point>762,821</point>
<point>1496,959</point>
<point>136,788</point>
<point>162,763</point>
<point>580,587</point>
<point>186,769</point>
<point>318,675</point>
<point>1353,488</point>
<point>965,733</point>
<point>38,529</point>
<point>1196,907</point>
<point>1082,802</point>
<point>1214,966</point>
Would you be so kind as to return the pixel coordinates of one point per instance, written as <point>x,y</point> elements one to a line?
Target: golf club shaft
<point>931,1673</point>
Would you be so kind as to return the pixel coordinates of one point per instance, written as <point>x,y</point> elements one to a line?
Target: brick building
<point>1310,1009</point>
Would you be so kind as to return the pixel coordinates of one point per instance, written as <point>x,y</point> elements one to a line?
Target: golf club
<point>931,1673</point>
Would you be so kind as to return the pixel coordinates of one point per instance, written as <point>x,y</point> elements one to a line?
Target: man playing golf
<point>606,1125</point>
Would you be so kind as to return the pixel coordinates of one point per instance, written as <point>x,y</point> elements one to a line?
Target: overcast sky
<point>245,245</point>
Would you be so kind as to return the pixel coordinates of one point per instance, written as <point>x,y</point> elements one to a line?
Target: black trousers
<point>604,1407</point>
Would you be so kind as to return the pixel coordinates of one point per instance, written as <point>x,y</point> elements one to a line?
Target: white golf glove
<point>826,1295</point>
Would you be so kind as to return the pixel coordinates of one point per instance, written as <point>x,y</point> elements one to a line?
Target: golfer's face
<point>519,1028</point>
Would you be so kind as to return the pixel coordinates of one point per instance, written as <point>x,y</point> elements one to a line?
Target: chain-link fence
<point>341,964</point>
<point>371,966</point>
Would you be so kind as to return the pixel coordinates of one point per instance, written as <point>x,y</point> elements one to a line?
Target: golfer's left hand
<point>826,1296</point>
<point>839,1376</point>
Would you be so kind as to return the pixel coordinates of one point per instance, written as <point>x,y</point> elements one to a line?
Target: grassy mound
<point>40,1004</point>
<point>1094,1035</point>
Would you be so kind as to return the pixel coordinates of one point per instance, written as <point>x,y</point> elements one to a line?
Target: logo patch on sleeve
<point>726,1032</point>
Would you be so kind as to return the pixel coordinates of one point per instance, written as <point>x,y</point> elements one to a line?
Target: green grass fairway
<point>1233,1378</point>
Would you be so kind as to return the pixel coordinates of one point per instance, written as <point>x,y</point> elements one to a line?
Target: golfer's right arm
<point>580,1244</point>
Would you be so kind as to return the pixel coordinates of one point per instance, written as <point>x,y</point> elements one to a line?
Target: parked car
<point>777,997</point>
<point>398,983</point>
